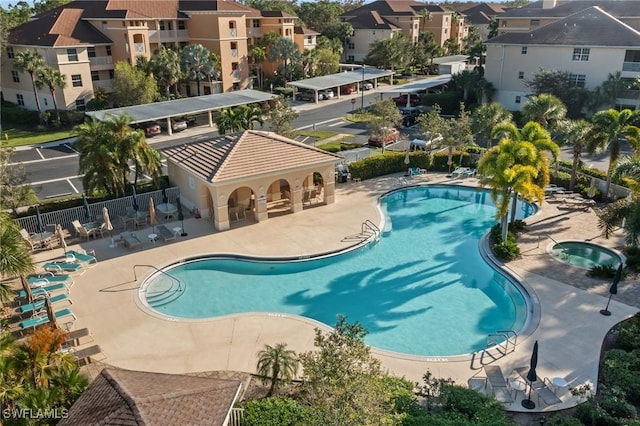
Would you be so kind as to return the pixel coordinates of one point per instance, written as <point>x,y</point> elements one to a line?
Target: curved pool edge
<point>532,302</point>
<point>550,246</point>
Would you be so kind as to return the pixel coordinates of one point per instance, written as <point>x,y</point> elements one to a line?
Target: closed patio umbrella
<point>39,222</point>
<point>165,199</point>
<point>60,234</point>
<point>180,216</point>
<point>85,204</point>
<point>134,198</point>
<point>613,290</point>
<point>532,377</point>
<point>152,214</point>
<point>592,188</point>
<point>107,224</point>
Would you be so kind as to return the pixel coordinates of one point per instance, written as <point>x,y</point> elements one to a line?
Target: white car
<point>367,86</point>
<point>325,94</point>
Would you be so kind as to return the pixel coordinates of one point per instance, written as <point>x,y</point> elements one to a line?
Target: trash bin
<point>342,178</point>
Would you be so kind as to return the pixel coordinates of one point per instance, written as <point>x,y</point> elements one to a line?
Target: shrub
<point>449,101</point>
<point>590,414</point>
<point>472,405</point>
<point>629,333</point>
<point>616,406</point>
<point>391,162</point>
<point>633,257</point>
<point>602,271</point>
<point>14,115</point>
<point>622,369</point>
<point>506,251</point>
<point>275,411</point>
<point>562,420</point>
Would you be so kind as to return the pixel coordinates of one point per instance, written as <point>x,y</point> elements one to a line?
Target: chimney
<point>549,4</point>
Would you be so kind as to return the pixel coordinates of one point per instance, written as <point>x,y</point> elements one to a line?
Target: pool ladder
<point>368,230</point>
<point>163,297</point>
<point>504,341</point>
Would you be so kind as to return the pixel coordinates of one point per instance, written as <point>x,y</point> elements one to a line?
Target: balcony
<point>106,85</point>
<point>234,53</point>
<point>101,60</point>
<point>630,94</point>
<point>254,32</point>
<point>631,66</point>
<point>233,32</point>
<point>236,75</point>
<point>139,47</point>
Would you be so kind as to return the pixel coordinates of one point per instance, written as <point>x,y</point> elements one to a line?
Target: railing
<point>235,417</point>
<point>234,53</point>
<point>235,74</point>
<point>502,340</point>
<point>117,207</point>
<point>139,47</point>
<point>631,66</point>
<point>368,226</point>
<point>159,296</point>
<point>233,32</point>
<point>106,85</point>
<point>101,60</point>
<point>402,181</point>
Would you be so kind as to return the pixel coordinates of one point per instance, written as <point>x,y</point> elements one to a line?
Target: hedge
<point>390,162</point>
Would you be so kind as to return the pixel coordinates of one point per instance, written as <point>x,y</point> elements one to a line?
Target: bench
<point>165,233</point>
<point>83,356</point>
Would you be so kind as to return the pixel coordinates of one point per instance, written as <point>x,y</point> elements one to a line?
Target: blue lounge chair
<point>82,257</point>
<point>49,277</point>
<point>39,304</point>
<point>36,321</point>
<point>45,289</point>
<point>56,267</point>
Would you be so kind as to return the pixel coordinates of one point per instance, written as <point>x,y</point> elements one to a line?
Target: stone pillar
<point>221,217</point>
<point>329,191</point>
<point>296,200</point>
<point>261,208</point>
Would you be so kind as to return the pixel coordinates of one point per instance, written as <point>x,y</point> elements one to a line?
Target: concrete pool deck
<point>570,330</point>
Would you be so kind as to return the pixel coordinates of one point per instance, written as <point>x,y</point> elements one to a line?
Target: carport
<point>187,106</point>
<point>418,86</point>
<point>334,81</point>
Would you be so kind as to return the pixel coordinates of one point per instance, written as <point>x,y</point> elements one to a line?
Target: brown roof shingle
<point>248,153</point>
<point>126,397</point>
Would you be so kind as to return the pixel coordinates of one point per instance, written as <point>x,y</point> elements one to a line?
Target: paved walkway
<point>568,326</point>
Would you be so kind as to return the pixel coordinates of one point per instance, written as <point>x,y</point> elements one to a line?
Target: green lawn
<point>317,134</point>
<point>19,137</point>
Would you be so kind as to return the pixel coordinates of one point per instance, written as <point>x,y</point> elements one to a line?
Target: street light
<point>362,90</point>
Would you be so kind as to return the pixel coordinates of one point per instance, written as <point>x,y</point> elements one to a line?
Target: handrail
<point>367,224</point>
<point>135,277</point>
<point>507,335</point>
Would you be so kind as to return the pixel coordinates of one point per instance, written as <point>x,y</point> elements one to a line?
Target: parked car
<point>410,116</point>
<point>325,94</point>
<point>367,86</point>
<point>402,100</point>
<point>177,124</point>
<point>306,95</point>
<point>386,136</point>
<point>347,90</point>
<point>150,128</point>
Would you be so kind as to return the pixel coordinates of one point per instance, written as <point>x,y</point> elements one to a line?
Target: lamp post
<point>362,90</point>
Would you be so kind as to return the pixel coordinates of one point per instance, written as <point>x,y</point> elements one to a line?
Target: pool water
<point>423,289</point>
<point>585,255</point>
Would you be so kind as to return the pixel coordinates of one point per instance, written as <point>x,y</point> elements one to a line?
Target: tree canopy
<point>132,86</point>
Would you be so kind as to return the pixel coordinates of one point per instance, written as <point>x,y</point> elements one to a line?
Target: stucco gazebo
<point>250,176</point>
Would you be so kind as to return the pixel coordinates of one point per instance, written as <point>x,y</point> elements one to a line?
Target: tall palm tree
<point>30,61</point>
<point>15,258</point>
<point>147,159</point>
<point>197,63</point>
<point>258,55</point>
<point>608,128</point>
<point>285,51</point>
<point>277,363</point>
<point>97,158</point>
<point>425,16</point>
<point>486,117</point>
<point>165,65</point>
<point>53,79</point>
<point>573,133</point>
<point>544,109</point>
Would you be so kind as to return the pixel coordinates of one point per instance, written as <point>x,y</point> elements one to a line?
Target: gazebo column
<point>329,191</point>
<point>296,202</point>
<point>221,218</point>
<point>261,209</point>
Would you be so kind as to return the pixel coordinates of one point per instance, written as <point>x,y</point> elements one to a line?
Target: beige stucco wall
<point>362,39</point>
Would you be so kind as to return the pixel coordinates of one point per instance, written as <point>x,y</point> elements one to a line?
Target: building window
<point>520,75</point>
<point>72,55</point>
<point>10,52</point>
<point>535,22</point>
<point>503,24</point>
<point>162,26</point>
<point>518,99</point>
<point>446,30</point>
<point>524,50</point>
<point>351,46</point>
<point>578,79</point>
<point>108,50</point>
<point>234,66</point>
<point>80,105</point>
<point>111,74</point>
<point>581,54</point>
<point>309,39</point>
<point>256,23</point>
<point>95,75</point>
<point>76,80</point>
<point>91,52</point>
<point>182,25</point>
<point>351,58</point>
<point>373,32</point>
<point>20,99</point>
<point>16,76</point>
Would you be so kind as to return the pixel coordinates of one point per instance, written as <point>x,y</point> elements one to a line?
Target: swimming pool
<point>424,289</point>
<point>585,255</point>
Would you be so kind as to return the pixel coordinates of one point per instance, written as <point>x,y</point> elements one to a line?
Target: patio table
<point>167,209</point>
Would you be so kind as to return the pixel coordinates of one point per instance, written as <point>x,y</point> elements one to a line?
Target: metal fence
<point>117,207</point>
<point>235,419</point>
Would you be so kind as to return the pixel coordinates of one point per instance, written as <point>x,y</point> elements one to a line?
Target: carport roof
<point>186,106</point>
<point>340,79</point>
<point>416,86</point>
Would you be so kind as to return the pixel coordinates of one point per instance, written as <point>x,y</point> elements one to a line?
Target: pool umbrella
<point>60,234</point>
<point>85,204</point>
<point>165,199</point>
<point>613,290</point>
<point>180,216</point>
<point>134,198</point>
<point>27,288</point>
<point>531,377</point>
<point>50,313</point>
<point>107,224</point>
<point>39,222</point>
<point>152,214</point>
<point>592,188</point>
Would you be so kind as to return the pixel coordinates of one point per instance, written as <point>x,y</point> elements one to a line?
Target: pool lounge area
<point>569,328</point>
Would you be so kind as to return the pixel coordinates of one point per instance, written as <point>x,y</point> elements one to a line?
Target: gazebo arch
<point>263,170</point>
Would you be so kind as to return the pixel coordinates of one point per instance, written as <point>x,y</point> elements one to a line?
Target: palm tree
<point>258,55</point>
<point>53,79</point>
<point>425,16</point>
<point>544,109</point>
<point>286,52</point>
<point>147,160</point>
<point>30,61</point>
<point>15,258</point>
<point>197,63</point>
<point>608,128</point>
<point>69,382</point>
<point>165,64</point>
<point>97,158</point>
<point>277,363</point>
<point>573,132</point>
<point>239,118</point>
<point>486,117</point>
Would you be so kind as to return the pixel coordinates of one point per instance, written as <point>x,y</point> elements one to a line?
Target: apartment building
<point>380,19</point>
<point>85,38</point>
<point>589,44</point>
<point>481,15</point>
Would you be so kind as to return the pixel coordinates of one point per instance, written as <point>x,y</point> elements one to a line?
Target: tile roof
<point>482,13</point>
<point>394,8</point>
<point>590,27</point>
<point>617,8</point>
<point>247,153</point>
<point>276,14</point>
<point>371,20</point>
<point>126,397</point>
<point>304,30</point>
